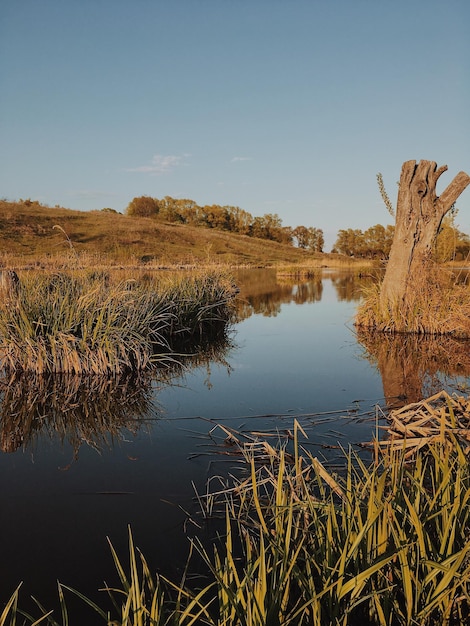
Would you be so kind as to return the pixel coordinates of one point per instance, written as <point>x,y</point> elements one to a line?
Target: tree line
<point>372,243</point>
<point>376,241</point>
<point>227,218</point>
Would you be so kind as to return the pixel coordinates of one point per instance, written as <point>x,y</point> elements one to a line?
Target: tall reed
<point>86,323</point>
<point>384,543</point>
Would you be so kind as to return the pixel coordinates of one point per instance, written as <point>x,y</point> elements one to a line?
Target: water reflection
<point>263,292</point>
<point>295,356</point>
<point>95,411</point>
<point>413,367</point>
<point>98,411</point>
<point>350,287</point>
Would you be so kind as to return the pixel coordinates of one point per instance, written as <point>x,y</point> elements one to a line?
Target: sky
<point>276,106</point>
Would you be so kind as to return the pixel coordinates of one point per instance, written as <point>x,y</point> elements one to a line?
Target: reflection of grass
<point>84,322</point>
<point>92,410</point>
<point>385,544</point>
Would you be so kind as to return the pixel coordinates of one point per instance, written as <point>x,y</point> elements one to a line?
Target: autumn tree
<point>374,243</point>
<point>451,244</point>
<point>301,234</point>
<point>316,240</point>
<point>378,241</point>
<point>143,206</point>
<point>241,220</point>
<point>350,242</point>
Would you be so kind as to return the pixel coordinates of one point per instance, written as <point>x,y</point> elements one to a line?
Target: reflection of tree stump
<point>402,382</point>
<point>409,363</point>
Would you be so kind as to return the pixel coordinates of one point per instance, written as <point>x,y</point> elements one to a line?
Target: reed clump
<point>87,322</point>
<point>384,543</point>
<point>438,304</point>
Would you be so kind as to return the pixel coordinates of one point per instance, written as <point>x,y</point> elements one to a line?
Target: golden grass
<point>384,543</point>
<point>28,237</point>
<point>36,236</point>
<point>436,305</point>
<point>87,323</point>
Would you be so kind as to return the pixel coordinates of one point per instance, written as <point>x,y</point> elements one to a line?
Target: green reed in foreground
<point>86,323</point>
<point>385,544</point>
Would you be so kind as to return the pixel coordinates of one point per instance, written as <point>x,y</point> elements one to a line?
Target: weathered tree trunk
<point>418,217</point>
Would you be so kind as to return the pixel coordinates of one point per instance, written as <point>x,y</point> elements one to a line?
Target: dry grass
<point>437,305</point>
<point>28,237</point>
<point>442,419</point>
<point>94,323</point>
<point>384,544</point>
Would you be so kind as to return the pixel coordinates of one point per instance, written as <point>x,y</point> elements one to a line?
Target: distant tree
<point>451,244</point>
<point>189,211</point>
<point>301,234</point>
<point>309,238</point>
<point>350,242</point>
<point>216,216</point>
<point>269,226</point>
<point>316,240</point>
<point>241,220</point>
<point>171,210</point>
<point>143,206</point>
<point>378,241</point>
<point>374,243</point>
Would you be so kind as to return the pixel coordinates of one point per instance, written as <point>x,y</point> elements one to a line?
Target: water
<point>67,485</point>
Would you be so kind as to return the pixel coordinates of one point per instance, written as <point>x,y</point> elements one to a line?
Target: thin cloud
<point>161,164</point>
<point>241,158</point>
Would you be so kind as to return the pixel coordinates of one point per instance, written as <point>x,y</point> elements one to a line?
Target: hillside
<point>32,232</point>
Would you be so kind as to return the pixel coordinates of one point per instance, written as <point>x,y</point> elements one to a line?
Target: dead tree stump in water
<point>419,215</point>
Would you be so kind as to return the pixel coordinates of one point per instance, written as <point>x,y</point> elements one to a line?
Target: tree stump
<point>419,215</point>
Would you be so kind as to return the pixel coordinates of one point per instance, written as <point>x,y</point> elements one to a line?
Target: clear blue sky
<point>279,106</point>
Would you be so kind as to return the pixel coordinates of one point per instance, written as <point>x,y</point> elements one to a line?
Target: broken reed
<point>438,305</point>
<point>381,544</point>
<point>87,323</point>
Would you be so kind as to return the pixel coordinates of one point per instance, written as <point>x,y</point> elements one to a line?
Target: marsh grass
<point>86,323</point>
<point>381,543</point>
<point>438,305</point>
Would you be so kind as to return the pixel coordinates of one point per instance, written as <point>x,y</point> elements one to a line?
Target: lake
<point>80,463</point>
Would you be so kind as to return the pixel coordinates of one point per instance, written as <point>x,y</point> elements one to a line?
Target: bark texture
<point>419,215</point>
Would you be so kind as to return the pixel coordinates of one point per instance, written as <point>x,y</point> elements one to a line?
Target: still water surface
<point>67,485</point>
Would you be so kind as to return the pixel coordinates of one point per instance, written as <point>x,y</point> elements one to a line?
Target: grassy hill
<point>30,232</point>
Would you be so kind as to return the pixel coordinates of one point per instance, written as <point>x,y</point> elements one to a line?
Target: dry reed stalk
<point>442,419</point>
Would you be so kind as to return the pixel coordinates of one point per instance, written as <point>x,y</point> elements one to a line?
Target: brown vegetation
<point>27,235</point>
<point>436,305</point>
